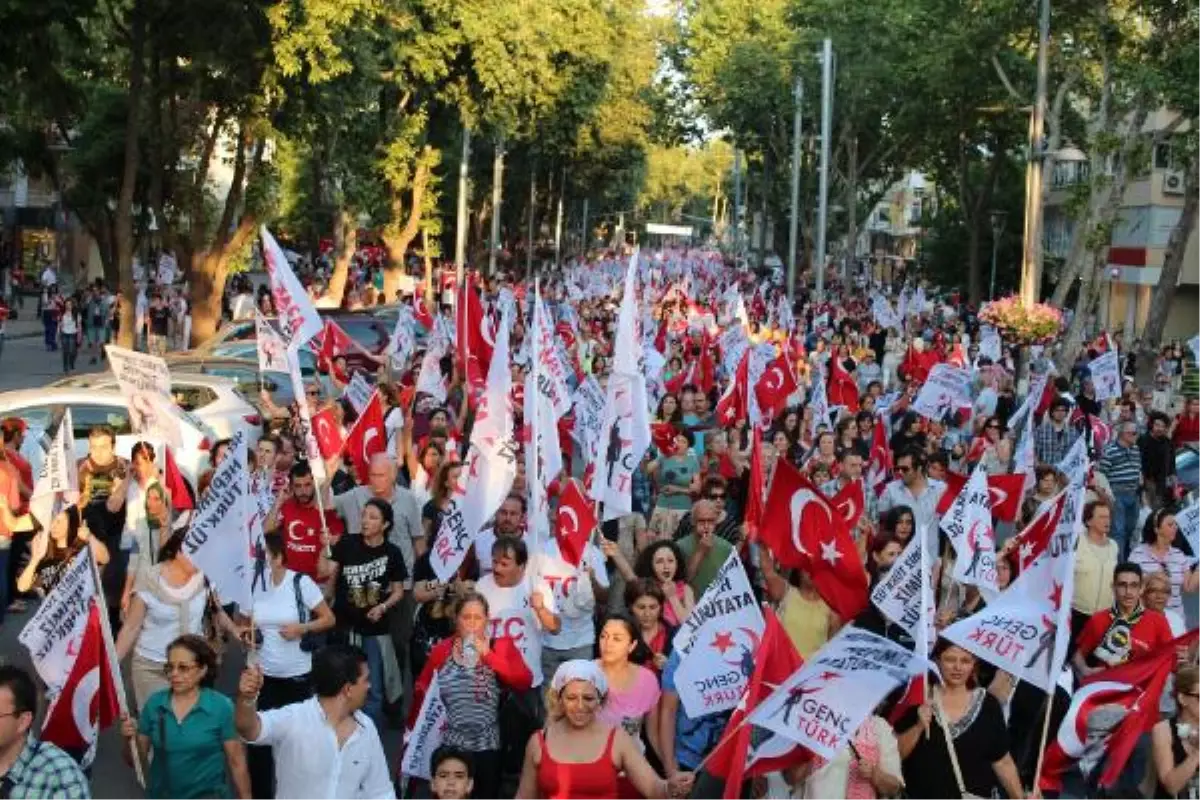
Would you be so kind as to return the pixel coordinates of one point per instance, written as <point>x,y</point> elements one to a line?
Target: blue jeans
<point>50,323</point>
<point>374,705</point>
<point>1126,508</point>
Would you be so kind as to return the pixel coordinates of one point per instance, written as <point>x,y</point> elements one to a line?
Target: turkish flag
<point>735,403</point>
<point>682,378</point>
<point>334,342</point>
<point>706,376</point>
<point>775,660</point>
<point>88,700</point>
<point>842,391</point>
<point>954,484</point>
<point>1004,491</point>
<point>813,536</point>
<point>663,434</point>
<point>565,334</point>
<point>474,333</point>
<point>421,312</point>
<point>754,498</point>
<point>367,437</point>
<point>576,521</point>
<point>328,433</point>
<point>850,501</point>
<point>176,485</point>
<point>775,386</point>
<point>1049,392</point>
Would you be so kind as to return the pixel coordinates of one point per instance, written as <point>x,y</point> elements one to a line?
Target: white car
<point>42,409</point>
<point>213,399</point>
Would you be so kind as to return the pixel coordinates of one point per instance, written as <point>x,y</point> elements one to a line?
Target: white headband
<point>579,669</point>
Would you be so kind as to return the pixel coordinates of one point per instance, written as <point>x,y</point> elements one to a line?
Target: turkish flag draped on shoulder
<point>807,532</point>
<point>1121,704</point>
<point>735,402</point>
<point>328,433</point>
<point>88,701</point>
<point>843,391</point>
<point>744,750</point>
<point>367,437</point>
<point>775,386</point>
<point>576,521</point>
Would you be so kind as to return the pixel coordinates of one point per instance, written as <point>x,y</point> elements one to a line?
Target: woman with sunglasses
<point>185,732</point>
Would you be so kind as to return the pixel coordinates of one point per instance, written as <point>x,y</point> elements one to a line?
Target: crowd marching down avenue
<point>636,527</point>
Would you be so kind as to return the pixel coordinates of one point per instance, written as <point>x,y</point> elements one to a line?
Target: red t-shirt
<point>1100,646</point>
<point>25,471</point>
<point>1187,430</point>
<point>300,526</point>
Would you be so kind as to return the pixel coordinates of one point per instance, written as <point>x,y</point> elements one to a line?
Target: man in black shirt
<point>160,325</point>
<point>98,473</point>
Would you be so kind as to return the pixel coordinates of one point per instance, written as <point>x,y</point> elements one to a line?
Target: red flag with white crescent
<point>328,432</point>
<point>88,700</point>
<point>367,437</point>
<point>735,402</point>
<point>754,500</point>
<point>775,386</point>
<point>576,521</point>
<point>849,502</point>
<point>842,391</point>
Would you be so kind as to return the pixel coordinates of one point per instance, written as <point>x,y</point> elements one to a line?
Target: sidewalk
<point>29,326</point>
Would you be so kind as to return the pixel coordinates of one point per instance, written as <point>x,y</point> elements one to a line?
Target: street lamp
<point>998,218</point>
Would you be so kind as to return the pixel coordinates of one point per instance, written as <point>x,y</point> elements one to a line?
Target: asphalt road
<point>26,363</point>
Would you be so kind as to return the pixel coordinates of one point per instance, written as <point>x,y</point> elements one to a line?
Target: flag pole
<point>110,653</point>
<point>1037,773</point>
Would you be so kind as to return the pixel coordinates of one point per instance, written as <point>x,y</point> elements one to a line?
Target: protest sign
<point>218,540</point>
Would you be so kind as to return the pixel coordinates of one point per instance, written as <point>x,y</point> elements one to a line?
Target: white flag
<point>1188,520</point>
<point>429,379</point>
<point>717,643</point>
<point>818,400</point>
<point>968,526</point>
<point>298,317</point>
<point>550,367</point>
<point>989,344</point>
<point>272,349</point>
<point>58,479</point>
<point>898,594</point>
<point>358,392</point>
<point>311,449</point>
<point>54,633</point>
<point>544,389</point>
<point>947,389</point>
<point>1106,376</point>
<point>426,734</point>
<point>588,430</point>
<point>145,381</point>
<point>489,469</point>
<point>403,341</point>
<point>822,704</point>
<point>218,540</point>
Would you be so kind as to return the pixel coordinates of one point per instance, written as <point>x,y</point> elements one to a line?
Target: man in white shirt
<point>324,746</point>
<point>49,277</point>
<point>920,493</point>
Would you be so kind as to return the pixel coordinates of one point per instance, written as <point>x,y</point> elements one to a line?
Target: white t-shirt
<point>483,549</point>
<point>573,597</point>
<point>161,625</point>
<point>512,617</point>
<point>275,608</point>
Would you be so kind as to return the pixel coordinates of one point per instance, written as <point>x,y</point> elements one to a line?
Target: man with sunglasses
<point>28,767</point>
<point>729,528</point>
<point>913,488</point>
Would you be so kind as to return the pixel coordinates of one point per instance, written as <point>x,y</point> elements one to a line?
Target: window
<point>38,418</point>
<point>1163,156</point>
<point>191,398</point>
<point>86,417</point>
<point>367,332</point>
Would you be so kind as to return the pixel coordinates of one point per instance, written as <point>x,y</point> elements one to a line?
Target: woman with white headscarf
<point>577,755</point>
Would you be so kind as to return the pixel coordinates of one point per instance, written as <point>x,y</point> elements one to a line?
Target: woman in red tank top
<point>577,756</point>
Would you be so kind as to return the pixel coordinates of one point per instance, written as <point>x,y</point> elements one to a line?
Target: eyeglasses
<point>183,669</point>
<point>716,496</point>
<point>993,427</point>
<point>11,714</point>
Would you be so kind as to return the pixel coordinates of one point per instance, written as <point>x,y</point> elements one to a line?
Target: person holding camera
<point>1175,741</point>
<point>290,614</point>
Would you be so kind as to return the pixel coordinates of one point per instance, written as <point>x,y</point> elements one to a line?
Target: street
<point>26,364</point>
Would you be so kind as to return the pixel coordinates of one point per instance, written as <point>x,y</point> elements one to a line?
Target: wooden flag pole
<point>110,653</point>
<point>1037,773</point>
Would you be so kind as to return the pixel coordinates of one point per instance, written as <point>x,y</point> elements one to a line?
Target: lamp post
<point>1031,254</point>
<point>998,218</point>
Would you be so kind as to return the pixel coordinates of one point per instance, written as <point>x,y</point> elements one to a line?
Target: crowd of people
<point>568,686</point>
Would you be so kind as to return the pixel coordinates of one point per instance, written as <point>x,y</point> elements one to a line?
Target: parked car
<point>43,409</point>
<point>215,400</point>
<point>372,332</point>
<point>246,351</point>
<point>1187,468</point>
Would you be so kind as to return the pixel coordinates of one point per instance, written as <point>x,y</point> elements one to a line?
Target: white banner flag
<point>218,540</point>
<point>1106,376</point>
<point>145,380</point>
<point>717,643</point>
<point>426,734</point>
<point>358,392</point>
<point>1188,520</point>
<point>404,340</point>
<point>58,479</point>
<point>947,390</point>
<point>897,595</point>
<point>885,315</point>
<point>272,349</point>
<point>550,369</point>
<point>822,704</point>
<point>989,344</point>
<point>968,526</point>
<point>311,450</point>
<point>53,635</point>
<point>429,379</point>
<point>298,317</point>
<point>589,417</point>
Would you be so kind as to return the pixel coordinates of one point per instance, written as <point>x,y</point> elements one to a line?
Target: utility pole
<point>460,233</point>
<point>532,214</point>
<point>1031,255</point>
<point>823,191</point>
<point>794,222</point>
<point>497,189</point>
<point>737,203</point>
<point>586,237</point>
<point>558,220</point>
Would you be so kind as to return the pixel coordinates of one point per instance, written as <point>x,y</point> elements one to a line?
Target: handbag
<point>310,642</point>
<point>937,712</point>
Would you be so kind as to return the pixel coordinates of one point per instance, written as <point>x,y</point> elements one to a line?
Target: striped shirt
<point>1122,466</point>
<point>472,700</point>
<point>1051,444</point>
<point>1177,564</point>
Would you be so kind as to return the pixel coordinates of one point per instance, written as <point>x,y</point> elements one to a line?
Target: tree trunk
<point>399,232</point>
<point>124,214</point>
<point>209,271</point>
<point>974,271</point>
<point>344,245</point>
